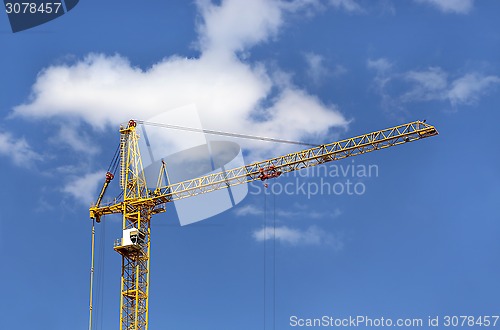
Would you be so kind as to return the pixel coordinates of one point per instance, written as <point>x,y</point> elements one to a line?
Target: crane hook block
<point>109,177</point>
<point>268,173</point>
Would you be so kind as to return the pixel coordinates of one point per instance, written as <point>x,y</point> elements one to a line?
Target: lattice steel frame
<point>355,146</point>
<point>135,275</point>
<point>302,159</point>
<point>137,210</point>
<point>138,204</point>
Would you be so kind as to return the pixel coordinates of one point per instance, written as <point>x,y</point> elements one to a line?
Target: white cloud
<point>428,85</point>
<point>380,65</point>
<point>431,84</point>
<point>339,70</point>
<point>348,5</point>
<point>317,70</point>
<point>76,138</point>
<point>84,188</point>
<point>383,76</point>
<point>18,150</point>
<point>310,236</point>
<point>42,205</point>
<point>451,6</point>
<point>310,7</point>
<point>432,79</point>
<point>237,24</point>
<point>468,88</point>
<point>230,95</point>
<point>301,211</point>
<point>387,7</point>
<point>248,210</point>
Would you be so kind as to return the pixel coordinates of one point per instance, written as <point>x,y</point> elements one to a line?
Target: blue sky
<point>418,238</point>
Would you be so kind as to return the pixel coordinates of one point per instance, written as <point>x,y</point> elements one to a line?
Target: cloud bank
<point>83,187</point>
<point>450,6</point>
<point>431,84</point>
<point>230,94</point>
<point>296,237</point>
<point>18,150</point>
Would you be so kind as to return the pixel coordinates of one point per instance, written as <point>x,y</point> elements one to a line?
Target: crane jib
<point>274,167</point>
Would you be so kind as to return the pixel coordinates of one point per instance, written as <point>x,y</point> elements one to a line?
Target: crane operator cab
<point>131,241</point>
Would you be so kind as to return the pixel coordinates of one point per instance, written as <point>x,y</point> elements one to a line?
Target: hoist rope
<point>265,259</point>
<point>115,161</point>
<point>92,274</point>
<point>214,132</point>
<point>97,280</point>
<point>274,261</point>
<point>99,296</point>
<point>273,258</point>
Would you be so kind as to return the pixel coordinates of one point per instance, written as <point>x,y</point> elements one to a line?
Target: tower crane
<point>138,204</point>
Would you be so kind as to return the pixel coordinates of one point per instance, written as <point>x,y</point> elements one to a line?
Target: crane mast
<point>138,204</point>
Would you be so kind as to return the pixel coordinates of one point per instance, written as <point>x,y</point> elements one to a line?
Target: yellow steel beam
<point>350,147</point>
<point>298,160</point>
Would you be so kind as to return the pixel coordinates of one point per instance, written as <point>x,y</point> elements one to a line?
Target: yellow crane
<point>138,204</point>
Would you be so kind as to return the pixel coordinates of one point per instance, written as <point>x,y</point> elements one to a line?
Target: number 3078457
<point>32,8</point>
